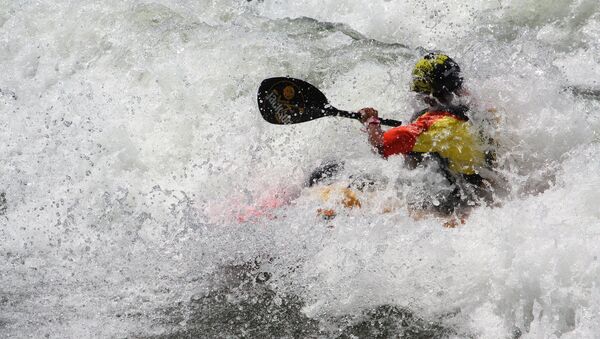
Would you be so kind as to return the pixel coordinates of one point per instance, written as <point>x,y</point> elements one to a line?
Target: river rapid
<point>131,142</point>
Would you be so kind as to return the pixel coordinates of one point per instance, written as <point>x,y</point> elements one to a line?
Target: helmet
<point>436,74</point>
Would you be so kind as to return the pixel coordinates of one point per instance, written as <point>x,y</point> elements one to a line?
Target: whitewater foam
<point>129,129</point>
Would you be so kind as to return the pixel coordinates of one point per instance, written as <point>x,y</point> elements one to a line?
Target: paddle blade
<point>285,101</point>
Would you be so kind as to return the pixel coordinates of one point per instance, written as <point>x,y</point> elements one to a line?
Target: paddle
<point>285,101</point>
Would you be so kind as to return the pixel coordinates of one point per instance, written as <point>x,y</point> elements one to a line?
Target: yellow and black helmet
<point>436,74</point>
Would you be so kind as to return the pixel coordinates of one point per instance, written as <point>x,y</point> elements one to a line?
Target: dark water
<point>246,307</point>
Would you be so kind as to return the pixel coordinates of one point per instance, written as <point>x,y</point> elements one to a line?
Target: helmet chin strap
<point>435,101</point>
<point>430,100</point>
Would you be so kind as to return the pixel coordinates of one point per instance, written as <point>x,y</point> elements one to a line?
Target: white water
<point>129,129</point>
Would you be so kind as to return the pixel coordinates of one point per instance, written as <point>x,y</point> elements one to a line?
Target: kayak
<point>334,194</point>
<point>325,185</point>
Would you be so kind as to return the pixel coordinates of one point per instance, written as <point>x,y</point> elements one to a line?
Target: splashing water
<point>131,143</point>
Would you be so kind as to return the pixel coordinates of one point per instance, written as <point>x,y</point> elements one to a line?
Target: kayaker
<point>441,132</point>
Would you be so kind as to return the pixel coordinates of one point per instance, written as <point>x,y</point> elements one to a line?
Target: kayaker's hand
<point>367,113</point>
<point>369,118</point>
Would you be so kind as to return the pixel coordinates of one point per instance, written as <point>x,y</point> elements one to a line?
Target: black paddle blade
<point>285,101</point>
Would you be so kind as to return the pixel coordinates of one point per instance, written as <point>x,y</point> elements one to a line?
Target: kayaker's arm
<point>369,117</point>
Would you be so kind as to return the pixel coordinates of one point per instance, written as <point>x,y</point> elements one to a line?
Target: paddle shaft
<point>355,115</point>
